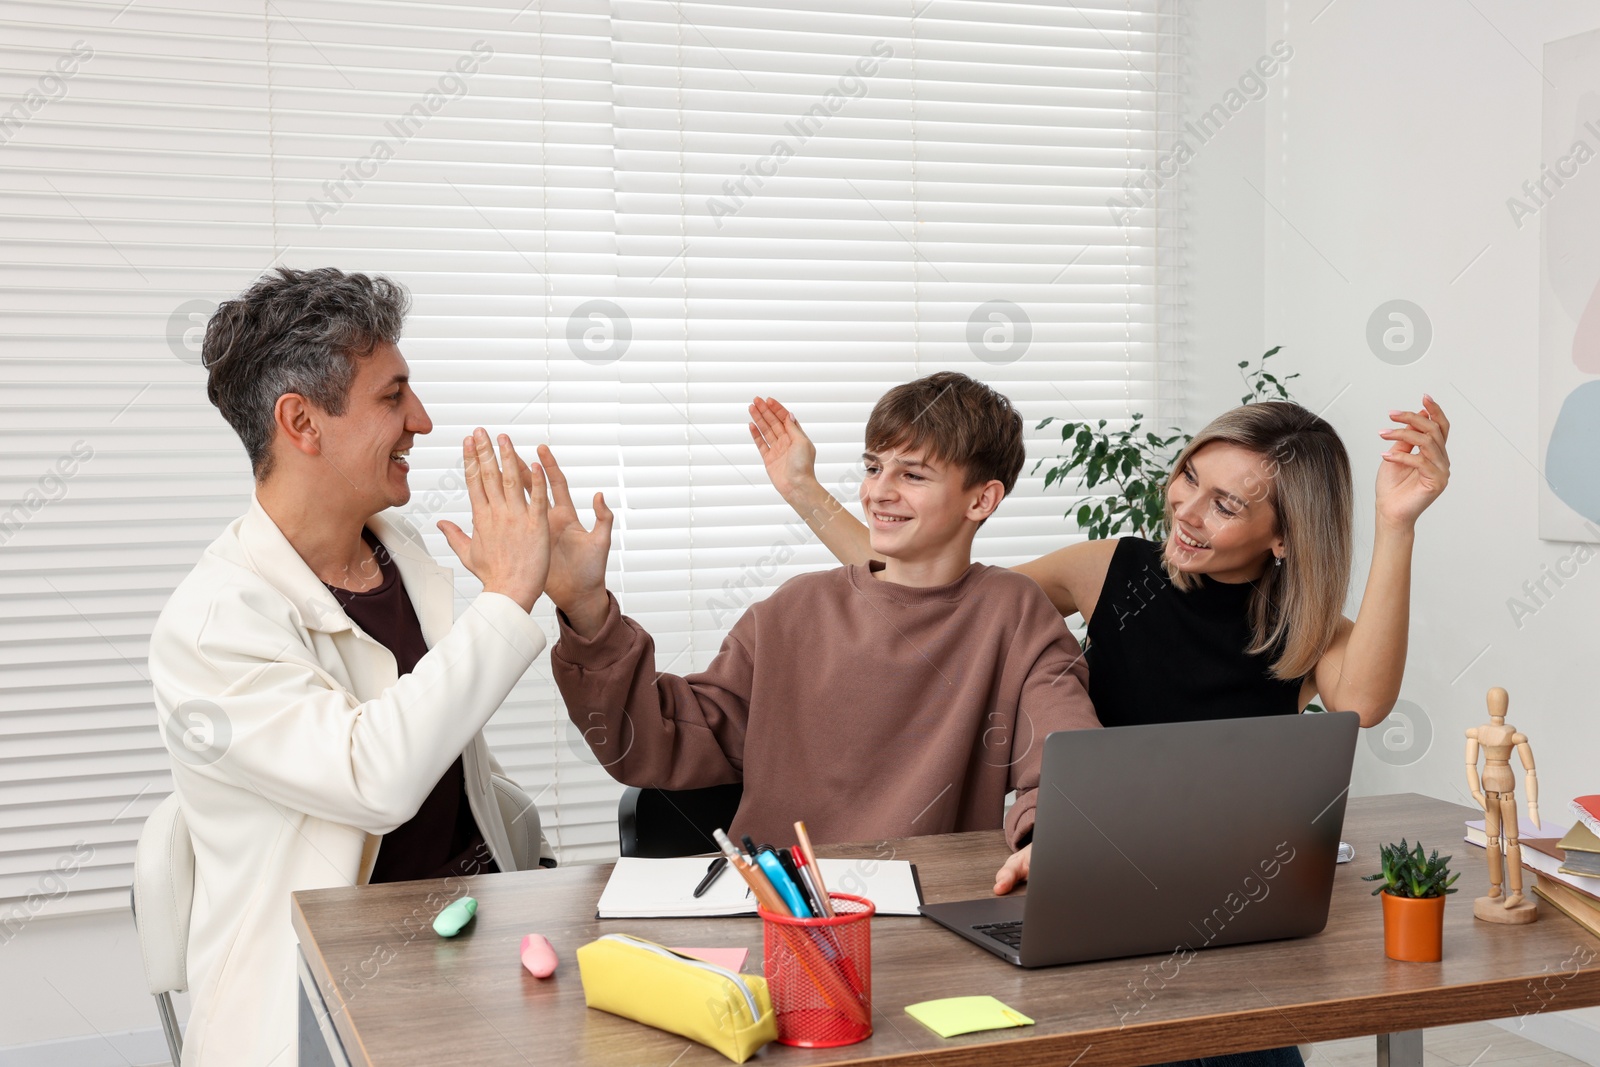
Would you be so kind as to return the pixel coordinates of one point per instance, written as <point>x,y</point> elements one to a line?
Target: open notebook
<point>664,889</point>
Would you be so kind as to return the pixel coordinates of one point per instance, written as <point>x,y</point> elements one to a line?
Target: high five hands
<point>509,548</point>
<point>521,543</point>
<point>577,582</point>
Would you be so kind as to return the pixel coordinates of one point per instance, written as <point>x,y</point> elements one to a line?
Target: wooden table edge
<point>355,1049</point>
<point>1281,1025</point>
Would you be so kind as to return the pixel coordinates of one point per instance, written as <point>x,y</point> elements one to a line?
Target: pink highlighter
<point>538,956</point>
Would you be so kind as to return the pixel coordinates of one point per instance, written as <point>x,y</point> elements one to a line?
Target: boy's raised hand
<point>509,549</point>
<point>577,580</point>
<point>786,451</point>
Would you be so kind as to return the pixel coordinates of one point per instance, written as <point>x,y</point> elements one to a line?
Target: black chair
<point>661,823</point>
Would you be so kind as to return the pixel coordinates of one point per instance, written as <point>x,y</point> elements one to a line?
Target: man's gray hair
<point>295,331</point>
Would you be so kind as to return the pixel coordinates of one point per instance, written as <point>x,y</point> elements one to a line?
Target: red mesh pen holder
<point>819,974</point>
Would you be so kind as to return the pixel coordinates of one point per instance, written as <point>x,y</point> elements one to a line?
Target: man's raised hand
<point>509,548</point>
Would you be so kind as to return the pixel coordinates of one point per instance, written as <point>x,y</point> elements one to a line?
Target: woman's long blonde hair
<point>1294,609</point>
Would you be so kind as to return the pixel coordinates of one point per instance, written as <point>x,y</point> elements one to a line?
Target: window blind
<point>619,220</point>
<point>136,188</point>
<point>820,201</point>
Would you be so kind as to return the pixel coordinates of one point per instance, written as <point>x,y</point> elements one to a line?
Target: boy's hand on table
<point>786,451</point>
<point>1015,871</point>
<point>577,580</point>
<point>509,547</point>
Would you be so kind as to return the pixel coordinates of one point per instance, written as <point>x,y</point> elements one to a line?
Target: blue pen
<point>780,881</point>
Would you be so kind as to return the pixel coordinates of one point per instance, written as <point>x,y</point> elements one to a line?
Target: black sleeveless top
<point>1158,654</point>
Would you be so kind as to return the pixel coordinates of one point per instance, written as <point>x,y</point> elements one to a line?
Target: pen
<point>807,882</point>
<point>718,865</point>
<point>768,861</point>
<point>765,894</point>
<point>792,869</point>
<point>816,869</point>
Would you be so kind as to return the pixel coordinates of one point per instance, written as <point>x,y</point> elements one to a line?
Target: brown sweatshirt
<point>868,709</point>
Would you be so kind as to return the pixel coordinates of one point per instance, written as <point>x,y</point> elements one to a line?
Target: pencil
<point>816,868</point>
<point>753,877</point>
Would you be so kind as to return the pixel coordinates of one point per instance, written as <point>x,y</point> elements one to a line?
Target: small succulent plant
<point>1408,873</point>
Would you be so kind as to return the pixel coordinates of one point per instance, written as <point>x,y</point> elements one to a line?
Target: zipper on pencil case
<point>749,997</point>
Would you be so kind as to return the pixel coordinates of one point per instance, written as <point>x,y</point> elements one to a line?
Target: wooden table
<point>399,995</point>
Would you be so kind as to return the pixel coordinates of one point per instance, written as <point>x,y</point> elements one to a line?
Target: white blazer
<point>296,747</point>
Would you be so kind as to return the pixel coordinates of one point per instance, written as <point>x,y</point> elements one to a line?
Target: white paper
<point>651,889</point>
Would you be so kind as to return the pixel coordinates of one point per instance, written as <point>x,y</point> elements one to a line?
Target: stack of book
<point>1565,863</point>
<point>1573,888</point>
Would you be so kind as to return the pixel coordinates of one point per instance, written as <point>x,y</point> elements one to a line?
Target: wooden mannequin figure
<point>1496,795</point>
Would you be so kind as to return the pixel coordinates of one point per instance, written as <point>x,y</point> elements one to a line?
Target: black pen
<point>718,865</point>
<point>786,861</point>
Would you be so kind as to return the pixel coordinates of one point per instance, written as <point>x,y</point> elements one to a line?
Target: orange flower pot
<point>1413,928</point>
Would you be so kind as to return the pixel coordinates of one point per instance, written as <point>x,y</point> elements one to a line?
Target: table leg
<point>1400,1050</point>
<point>319,1041</point>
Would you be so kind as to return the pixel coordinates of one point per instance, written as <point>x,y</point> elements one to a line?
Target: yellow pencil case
<point>651,984</point>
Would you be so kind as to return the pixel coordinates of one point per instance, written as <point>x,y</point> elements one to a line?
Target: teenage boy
<point>323,706</point>
<point>903,697</point>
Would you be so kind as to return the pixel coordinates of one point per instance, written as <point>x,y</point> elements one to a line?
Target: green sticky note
<point>966,1015</point>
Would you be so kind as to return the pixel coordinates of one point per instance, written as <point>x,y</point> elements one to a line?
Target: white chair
<point>163,894</point>
<point>529,848</point>
<point>163,891</point>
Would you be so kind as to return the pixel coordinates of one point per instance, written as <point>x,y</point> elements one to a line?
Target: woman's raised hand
<point>1416,470</point>
<point>786,451</point>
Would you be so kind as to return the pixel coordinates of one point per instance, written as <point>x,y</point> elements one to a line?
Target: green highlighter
<point>456,915</point>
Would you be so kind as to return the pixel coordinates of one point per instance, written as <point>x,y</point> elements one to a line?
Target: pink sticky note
<point>729,958</point>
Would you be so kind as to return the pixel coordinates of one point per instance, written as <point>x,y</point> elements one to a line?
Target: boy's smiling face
<point>918,508</point>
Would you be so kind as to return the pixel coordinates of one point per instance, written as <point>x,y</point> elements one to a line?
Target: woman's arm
<point>1073,577</point>
<point>791,462</point>
<point>1070,576</point>
<point>1362,668</point>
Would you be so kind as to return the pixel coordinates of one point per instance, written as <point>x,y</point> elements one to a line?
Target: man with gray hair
<point>323,708</point>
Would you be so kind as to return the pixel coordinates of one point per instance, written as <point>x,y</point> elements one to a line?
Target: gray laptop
<point>1152,838</point>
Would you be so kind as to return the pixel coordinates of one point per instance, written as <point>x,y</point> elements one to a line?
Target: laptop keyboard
<point>1007,933</point>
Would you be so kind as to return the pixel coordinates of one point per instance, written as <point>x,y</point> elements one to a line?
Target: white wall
<point>1384,154</point>
<point>1391,145</point>
<point>79,976</point>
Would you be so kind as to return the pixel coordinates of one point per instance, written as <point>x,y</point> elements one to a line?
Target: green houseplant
<point>1135,460</point>
<point>1414,887</point>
